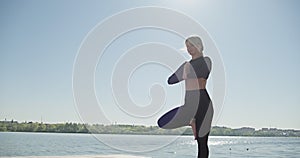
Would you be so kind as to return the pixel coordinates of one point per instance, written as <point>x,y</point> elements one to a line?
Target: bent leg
<point>177,117</point>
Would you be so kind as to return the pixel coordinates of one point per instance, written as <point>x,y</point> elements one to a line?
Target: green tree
<point>51,128</point>
<point>41,128</point>
<point>3,127</point>
<point>12,127</point>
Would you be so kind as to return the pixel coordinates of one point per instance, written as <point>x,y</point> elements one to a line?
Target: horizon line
<point>132,124</point>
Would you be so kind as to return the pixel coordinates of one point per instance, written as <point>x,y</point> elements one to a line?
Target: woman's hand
<point>186,70</point>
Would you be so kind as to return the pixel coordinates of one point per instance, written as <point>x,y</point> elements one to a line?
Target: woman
<point>195,74</point>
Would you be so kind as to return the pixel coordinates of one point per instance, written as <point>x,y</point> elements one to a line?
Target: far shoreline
<point>212,136</point>
<point>123,129</point>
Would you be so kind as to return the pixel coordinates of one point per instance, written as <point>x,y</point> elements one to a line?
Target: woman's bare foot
<point>193,125</point>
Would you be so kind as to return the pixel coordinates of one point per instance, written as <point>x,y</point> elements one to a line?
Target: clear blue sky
<point>258,42</point>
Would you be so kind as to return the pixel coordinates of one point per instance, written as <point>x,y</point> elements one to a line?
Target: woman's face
<point>191,48</point>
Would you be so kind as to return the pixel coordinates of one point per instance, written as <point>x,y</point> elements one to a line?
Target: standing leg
<point>204,103</point>
<point>203,151</point>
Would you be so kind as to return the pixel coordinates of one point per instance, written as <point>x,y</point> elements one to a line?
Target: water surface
<point>61,144</point>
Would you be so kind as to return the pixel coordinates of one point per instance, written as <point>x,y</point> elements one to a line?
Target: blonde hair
<point>195,41</point>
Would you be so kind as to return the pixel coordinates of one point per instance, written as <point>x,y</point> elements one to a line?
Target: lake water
<point>54,144</point>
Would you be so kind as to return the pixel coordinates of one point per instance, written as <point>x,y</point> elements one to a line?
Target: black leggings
<point>203,104</point>
<point>203,151</point>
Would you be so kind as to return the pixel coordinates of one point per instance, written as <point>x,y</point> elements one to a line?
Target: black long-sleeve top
<point>200,68</point>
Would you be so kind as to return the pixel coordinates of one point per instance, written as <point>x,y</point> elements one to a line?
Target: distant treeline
<point>14,126</point>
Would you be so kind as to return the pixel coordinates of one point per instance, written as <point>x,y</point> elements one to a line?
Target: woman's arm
<point>180,74</point>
